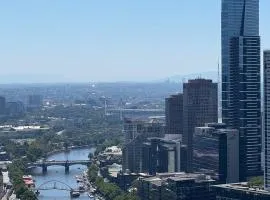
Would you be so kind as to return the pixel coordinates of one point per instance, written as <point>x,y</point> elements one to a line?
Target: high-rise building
<point>266,58</point>
<point>200,106</point>
<point>15,109</point>
<point>216,152</point>
<point>2,105</point>
<point>241,98</point>
<point>161,155</point>
<point>174,114</point>
<point>34,101</point>
<point>136,133</point>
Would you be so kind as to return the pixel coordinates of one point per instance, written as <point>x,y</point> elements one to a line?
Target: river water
<point>58,173</point>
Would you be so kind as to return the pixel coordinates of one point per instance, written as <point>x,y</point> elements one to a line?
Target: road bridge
<point>64,163</point>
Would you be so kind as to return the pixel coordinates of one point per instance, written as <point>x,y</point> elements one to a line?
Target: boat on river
<point>81,188</point>
<point>79,180</point>
<point>28,181</point>
<point>74,194</point>
<point>91,196</point>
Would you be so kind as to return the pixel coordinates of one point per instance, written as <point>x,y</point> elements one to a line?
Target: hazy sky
<point>109,40</point>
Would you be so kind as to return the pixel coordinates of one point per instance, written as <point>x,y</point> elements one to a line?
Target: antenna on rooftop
<point>219,90</point>
<point>218,75</point>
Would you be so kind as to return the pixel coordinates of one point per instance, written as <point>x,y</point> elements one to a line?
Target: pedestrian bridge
<point>64,163</point>
<point>55,185</point>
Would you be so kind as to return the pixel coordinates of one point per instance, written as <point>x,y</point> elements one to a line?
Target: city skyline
<point>135,100</point>
<point>78,42</point>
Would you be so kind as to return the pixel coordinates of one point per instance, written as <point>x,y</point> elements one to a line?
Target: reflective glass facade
<point>241,99</point>
<point>266,58</point>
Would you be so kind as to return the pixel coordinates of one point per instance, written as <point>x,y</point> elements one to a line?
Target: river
<point>58,173</point>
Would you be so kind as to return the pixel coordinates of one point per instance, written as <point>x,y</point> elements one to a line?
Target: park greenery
<point>16,171</point>
<point>109,190</point>
<point>77,126</point>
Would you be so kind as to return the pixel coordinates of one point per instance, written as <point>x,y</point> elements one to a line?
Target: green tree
<point>92,173</point>
<point>28,195</point>
<point>127,197</point>
<point>256,182</point>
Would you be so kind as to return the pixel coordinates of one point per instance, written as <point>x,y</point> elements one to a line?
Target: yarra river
<point>58,173</point>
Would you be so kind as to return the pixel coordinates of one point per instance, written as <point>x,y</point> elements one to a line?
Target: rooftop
<point>243,187</point>
<point>146,120</point>
<point>178,176</point>
<point>113,150</point>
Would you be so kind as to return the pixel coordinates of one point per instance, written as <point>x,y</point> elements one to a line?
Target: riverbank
<point>90,188</point>
<point>58,173</point>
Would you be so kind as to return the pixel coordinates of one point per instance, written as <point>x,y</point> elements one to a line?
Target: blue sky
<point>105,40</point>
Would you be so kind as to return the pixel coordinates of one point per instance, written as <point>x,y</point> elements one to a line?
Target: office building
<point>266,58</point>
<point>241,98</point>
<point>199,107</point>
<point>216,152</point>
<point>2,106</point>
<point>176,186</point>
<point>240,191</point>
<point>174,114</point>
<point>136,132</point>
<point>161,155</point>
<point>15,109</point>
<point>34,101</point>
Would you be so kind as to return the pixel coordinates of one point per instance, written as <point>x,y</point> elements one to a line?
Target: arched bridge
<point>54,185</point>
<point>65,163</point>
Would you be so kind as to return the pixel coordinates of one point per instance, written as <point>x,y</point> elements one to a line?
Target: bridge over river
<point>56,185</point>
<point>64,163</point>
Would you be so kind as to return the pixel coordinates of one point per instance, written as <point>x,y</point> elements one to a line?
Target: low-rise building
<point>176,186</point>
<point>240,191</point>
<point>110,156</point>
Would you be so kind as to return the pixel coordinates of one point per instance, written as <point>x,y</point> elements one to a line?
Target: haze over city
<point>81,41</point>
<point>135,100</point>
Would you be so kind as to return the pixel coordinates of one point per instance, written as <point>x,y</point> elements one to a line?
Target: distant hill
<point>55,78</point>
<point>32,78</point>
<point>181,78</point>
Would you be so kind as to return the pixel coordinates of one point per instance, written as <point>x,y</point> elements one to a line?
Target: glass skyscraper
<point>241,98</point>
<point>266,58</point>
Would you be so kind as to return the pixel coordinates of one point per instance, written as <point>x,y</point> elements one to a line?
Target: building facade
<point>200,106</point>
<point>176,186</point>
<point>34,101</point>
<point>2,106</point>
<point>239,191</point>
<point>241,99</point>
<point>160,155</point>
<point>15,109</point>
<point>266,58</point>
<point>136,133</point>
<point>174,114</point>
<point>216,152</point>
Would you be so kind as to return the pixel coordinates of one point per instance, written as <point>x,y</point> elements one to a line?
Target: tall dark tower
<point>174,114</point>
<point>2,105</point>
<point>241,92</point>
<point>200,106</point>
